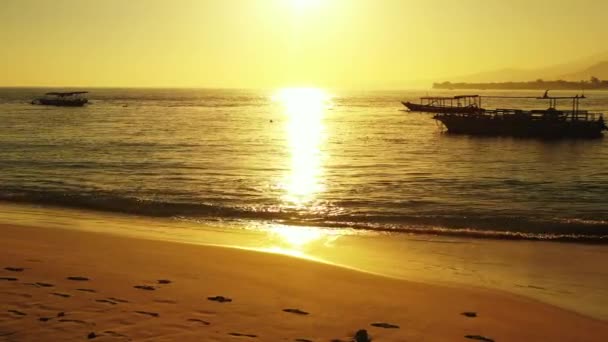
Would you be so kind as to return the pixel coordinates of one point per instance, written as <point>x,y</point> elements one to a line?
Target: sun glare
<point>305,4</point>
<point>300,241</point>
<point>297,237</point>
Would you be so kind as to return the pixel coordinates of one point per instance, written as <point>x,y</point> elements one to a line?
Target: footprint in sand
<point>220,299</point>
<point>40,284</point>
<point>164,281</point>
<point>17,312</point>
<point>148,313</point>
<point>77,321</point>
<point>470,314</point>
<point>86,290</point>
<point>14,269</point>
<point>296,311</point>
<point>64,295</point>
<point>242,335</point>
<point>479,338</point>
<point>46,319</point>
<point>196,320</point>
<point>118,300</point>
<point>385,325</point>
<point>115,334</point>
<point>78,278</point>
<point>145,287</point>
<point>207,313</point>
<point>165,301</point>
<point>9,278</point>
<point>536,287</point>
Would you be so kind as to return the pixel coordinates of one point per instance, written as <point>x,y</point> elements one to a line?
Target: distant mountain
<point>581,69</point>
<point>599,70</point>
<point>502,75</point>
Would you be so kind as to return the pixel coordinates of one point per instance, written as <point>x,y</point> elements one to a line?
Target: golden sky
<point>278,43</point>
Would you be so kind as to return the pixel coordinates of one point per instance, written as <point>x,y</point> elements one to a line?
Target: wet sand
<point>61,284</point>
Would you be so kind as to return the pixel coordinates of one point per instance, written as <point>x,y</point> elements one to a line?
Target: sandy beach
<point>61,285</point>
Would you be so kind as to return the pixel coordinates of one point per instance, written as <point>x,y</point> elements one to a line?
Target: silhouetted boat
<point>549,123</point>
<point>65,99</point>
<point>457,104</point>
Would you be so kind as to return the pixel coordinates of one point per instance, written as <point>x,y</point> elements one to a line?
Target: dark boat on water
<point>65,99</point>
<point>549,123</point>
<point>458,104</point>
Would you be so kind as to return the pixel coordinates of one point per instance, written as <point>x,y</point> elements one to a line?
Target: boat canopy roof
<point>67,93</point>
<point>448,97</point>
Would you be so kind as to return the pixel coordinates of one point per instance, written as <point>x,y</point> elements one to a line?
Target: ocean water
<point>302,157</point>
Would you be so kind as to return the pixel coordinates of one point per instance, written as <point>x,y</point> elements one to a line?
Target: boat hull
<point>518,127</point>
<point>60,103</point>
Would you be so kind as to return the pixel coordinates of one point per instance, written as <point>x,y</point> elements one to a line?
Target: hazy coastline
<point>597,84</point>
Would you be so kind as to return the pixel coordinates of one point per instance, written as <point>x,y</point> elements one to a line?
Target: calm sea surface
<point>303,156</point>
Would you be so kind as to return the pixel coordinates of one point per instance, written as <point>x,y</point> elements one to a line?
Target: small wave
<point>480,233</point>
<point>473,226</point>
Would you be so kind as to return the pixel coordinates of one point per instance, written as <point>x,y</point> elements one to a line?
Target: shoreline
<point>261,286</point>
<point>438,228</point>
<point>570,276</point>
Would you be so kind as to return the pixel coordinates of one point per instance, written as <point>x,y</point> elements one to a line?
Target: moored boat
<point>457,104</point>
<point>549,123</point>
<point>63,99</point>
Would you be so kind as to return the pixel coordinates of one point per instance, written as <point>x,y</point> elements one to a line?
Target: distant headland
<point>592,84</point>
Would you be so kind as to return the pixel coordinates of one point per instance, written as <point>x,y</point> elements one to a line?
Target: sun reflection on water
<point>305,110</point>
